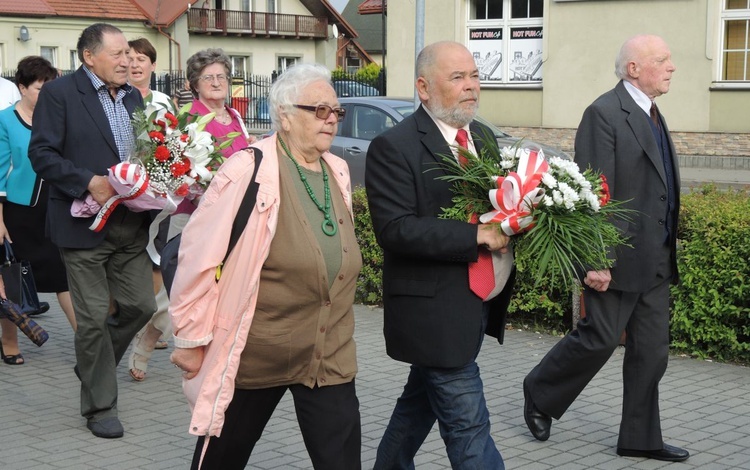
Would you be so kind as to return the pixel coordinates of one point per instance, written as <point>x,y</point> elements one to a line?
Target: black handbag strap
<point>244,211</point>
<point>10,257</point>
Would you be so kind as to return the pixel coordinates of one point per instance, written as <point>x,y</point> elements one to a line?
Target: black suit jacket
<point>71,141</point>
<point>431,317</point>
<point>615,137</point>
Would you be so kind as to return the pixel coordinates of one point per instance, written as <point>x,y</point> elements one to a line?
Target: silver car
<point>366,117</point>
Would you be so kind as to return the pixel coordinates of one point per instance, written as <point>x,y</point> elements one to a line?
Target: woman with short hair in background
<point>23,200</point>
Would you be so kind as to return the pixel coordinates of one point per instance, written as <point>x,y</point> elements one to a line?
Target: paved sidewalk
<point>721,178</point>
<point>705,409</point>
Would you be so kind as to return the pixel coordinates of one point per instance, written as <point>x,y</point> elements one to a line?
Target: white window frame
<point>353,64</point>
<point>52,54</point>
<point>526,70</point>
<point>74,61</point>
<point>245,64</point>
<point>284,62</point>
<point>725,16</point>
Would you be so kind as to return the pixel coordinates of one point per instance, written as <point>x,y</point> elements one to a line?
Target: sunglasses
<point>322,111</point>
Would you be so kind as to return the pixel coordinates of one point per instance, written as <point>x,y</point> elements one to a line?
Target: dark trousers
<point>571,364</point>
<point>118,270</point>
<point>328,418</point>
<point>455,399</point>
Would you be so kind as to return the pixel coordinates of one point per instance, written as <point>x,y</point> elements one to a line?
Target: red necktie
<point>463,141</point>
<point>481,272</point>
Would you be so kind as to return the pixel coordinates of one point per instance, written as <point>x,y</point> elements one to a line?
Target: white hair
<point>290,85</point>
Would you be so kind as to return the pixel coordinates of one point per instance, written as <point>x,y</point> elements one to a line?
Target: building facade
<point>543,61</point>
<point>261,36</point>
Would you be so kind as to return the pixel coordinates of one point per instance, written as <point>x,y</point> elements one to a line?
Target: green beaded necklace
<point>328,226</point>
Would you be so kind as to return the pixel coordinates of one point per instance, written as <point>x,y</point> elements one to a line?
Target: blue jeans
<point>453,397</point>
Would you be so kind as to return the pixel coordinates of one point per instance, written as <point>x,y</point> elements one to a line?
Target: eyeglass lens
<point>211,78</point>
<point>323,111</point>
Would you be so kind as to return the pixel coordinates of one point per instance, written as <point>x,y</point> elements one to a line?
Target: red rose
<point>182,190</point>
<point>172,119</point>
<point>180,168</point>
<point>156,136</point>
<point>184,137</point>
<point>162,153</point>
<point>604,192</point>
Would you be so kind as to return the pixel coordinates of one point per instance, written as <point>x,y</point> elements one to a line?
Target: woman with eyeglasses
<point>208,72</point>
<point>280,318</point>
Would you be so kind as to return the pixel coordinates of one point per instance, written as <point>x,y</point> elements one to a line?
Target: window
<point>245,5</point>
<point>270,6</point>
<point>526,9</point>
<point>74,63</point>
<point>353,64</point>
<point>486,9</point>
<point>286,62</point>
<point>368,123</point>
<point>505,37</point>
<point>49,53</point>
<point>239,65</point>
<point>2,57</point>
<point>735,43</point>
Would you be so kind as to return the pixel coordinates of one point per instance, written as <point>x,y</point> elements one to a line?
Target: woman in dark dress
<point>23,199</point>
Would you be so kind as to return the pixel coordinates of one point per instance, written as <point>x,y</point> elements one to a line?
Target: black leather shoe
<point>539,423</point>
<point>43,307</point>
<point>668,453</point>
<point>107,428</point>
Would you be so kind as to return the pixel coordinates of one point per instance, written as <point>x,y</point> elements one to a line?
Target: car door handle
<point>353,150</point>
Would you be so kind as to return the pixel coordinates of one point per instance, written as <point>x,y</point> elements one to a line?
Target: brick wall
<point>686,143</point>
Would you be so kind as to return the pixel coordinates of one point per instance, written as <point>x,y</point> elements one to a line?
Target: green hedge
<point>370,282</point>
<point>711,312</point>
<point>711,305</point>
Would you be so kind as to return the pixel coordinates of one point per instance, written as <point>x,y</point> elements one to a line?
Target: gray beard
<point>455,117</point>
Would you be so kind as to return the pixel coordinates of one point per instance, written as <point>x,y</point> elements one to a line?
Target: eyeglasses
<point>322,111</point>
<point>211,78</point>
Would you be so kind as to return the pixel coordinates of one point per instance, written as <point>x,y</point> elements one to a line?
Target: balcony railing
<point>252,23</point>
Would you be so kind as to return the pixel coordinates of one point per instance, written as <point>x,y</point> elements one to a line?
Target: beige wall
<point>263,52</point>
<point>580,44</point>
<point>64,36</point>
<point>580,66</point>
<point>730,111</point>
<point>63,33</point>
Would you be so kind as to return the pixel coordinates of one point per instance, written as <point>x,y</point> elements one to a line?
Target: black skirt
<point>25,224</point>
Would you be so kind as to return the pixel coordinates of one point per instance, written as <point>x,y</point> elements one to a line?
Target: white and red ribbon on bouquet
<point>518,194</point>
<point>131,175</point>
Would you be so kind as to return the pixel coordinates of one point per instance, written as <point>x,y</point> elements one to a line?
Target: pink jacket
<point>219,315</point>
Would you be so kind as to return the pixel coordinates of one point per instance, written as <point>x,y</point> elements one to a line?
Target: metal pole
<point>382,65</point>
<point>418,41</point>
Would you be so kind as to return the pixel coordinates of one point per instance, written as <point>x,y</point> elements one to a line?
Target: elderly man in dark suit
<point>81,128</point>
<point>622,135</point>
<point>433,320</point>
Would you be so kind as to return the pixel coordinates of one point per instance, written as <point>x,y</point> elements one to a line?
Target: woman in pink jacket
<point>280,317</point>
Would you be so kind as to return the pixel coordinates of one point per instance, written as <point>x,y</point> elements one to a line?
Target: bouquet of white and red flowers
<point>179,157</point>
<point>560,217</point>
<point>174,158</point>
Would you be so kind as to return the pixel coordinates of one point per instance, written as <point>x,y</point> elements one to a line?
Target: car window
<point>405,110</point>
<point>367,122</point>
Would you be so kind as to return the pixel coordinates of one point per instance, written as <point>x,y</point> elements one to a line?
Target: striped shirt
<point>117,115</point>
